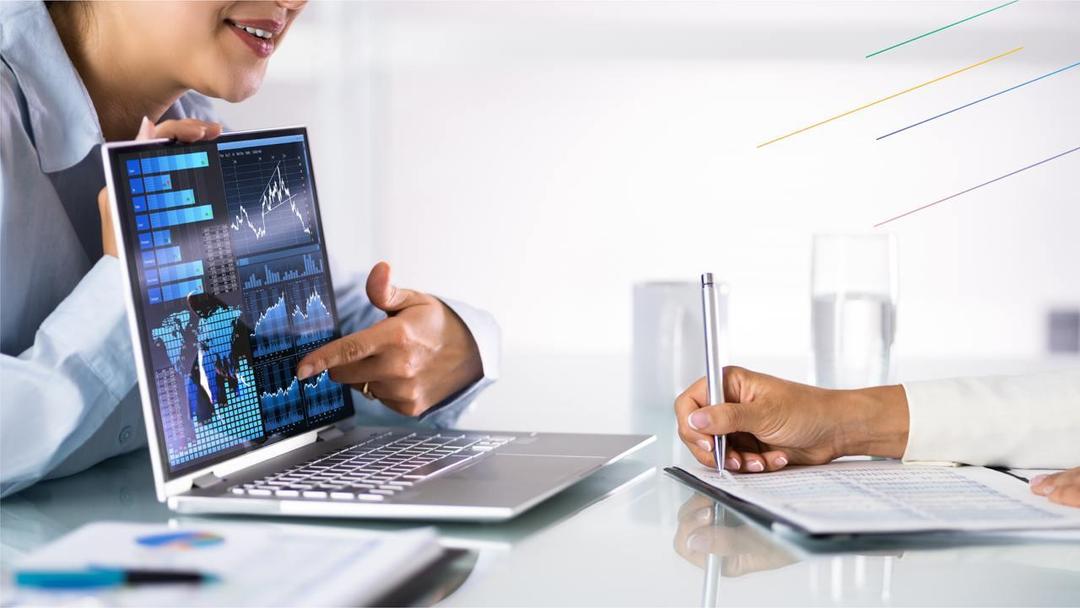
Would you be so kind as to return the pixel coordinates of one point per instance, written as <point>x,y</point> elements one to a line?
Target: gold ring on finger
<point>365,391</point>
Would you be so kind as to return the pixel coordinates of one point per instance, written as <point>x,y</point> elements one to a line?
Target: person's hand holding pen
<point>772,423</point>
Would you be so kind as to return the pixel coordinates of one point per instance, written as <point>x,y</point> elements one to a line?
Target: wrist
<point>876,421</point>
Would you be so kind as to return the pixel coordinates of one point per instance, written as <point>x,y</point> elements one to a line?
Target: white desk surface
<point>631,535</point>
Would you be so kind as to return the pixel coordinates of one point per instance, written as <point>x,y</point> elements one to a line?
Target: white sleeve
<point>58,393</point>
<point>1028,421</point>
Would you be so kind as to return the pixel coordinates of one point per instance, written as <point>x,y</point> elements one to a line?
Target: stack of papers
<point>875,497</point>
<point>258,564</point>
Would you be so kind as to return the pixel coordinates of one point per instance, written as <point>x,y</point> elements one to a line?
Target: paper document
<point>259,564</point>
<point>888,496</point>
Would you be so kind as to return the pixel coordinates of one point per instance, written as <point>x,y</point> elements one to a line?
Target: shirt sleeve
<point>61,390</point>
<point>356,312</point>
<point>1028,421</point>
<point>485,331</point>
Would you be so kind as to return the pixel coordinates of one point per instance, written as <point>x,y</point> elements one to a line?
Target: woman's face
<point>220,49</point>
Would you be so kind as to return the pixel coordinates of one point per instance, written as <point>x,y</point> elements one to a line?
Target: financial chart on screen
<point>233,291</point>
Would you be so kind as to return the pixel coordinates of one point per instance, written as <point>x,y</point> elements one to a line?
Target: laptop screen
<point>231,286</point>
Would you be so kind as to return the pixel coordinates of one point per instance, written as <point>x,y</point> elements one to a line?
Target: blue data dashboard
<point>233,289</point>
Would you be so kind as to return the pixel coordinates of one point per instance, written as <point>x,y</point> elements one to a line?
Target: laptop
<point>228,287</point>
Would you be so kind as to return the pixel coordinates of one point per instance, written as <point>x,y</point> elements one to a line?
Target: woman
<point>1022,421</point>
<point>77,74</point>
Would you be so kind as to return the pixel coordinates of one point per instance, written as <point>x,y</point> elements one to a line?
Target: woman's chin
<point>234,89</point>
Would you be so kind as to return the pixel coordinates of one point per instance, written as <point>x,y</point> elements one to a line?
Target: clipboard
<point>780,524</point>
<point>758,514</point>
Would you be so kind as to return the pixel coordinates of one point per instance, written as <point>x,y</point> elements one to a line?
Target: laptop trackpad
<point>501,480</point>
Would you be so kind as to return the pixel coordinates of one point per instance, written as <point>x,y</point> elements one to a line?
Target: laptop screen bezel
<point>127,239</point>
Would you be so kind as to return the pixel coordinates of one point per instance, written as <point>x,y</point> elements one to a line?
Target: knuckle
<point>409,402</point>
<point>399,336</point>
<point>409,366</point>
<point>414,394</point>
<point>350,351</point>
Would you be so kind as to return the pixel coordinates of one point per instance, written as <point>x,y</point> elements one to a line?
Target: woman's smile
<point>257,34</point>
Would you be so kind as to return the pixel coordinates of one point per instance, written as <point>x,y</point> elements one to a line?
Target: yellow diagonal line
<point>894,95</point>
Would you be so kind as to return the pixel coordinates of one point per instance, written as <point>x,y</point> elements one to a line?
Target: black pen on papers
<point>714,370</point>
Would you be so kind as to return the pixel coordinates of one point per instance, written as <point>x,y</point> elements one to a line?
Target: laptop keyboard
<point>375,469</point>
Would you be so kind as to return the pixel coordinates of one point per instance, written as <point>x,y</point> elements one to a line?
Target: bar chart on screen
<point>281,269</point>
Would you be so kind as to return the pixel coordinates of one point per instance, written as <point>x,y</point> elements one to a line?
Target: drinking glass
<point>853,308</point>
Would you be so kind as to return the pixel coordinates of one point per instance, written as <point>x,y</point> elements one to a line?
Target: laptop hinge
<point>205,481</point>
<point>331,433</point>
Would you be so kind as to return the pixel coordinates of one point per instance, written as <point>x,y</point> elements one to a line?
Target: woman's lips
<point>260,46</point>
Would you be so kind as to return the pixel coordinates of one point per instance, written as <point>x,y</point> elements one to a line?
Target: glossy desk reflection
<point>629,536</point>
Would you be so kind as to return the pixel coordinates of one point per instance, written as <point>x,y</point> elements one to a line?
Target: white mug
<point>669,339</point>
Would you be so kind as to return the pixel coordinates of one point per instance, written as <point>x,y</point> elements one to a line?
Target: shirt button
<point>125,434</point>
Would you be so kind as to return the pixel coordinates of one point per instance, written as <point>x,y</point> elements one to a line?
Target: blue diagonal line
<point>967,105</point>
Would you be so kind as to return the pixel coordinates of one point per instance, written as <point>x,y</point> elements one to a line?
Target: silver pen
<point>714,369</point>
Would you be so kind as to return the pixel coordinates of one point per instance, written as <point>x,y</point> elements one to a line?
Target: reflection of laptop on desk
<point>223,248</point>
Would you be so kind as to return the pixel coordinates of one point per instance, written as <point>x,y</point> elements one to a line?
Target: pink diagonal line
<point>952,196</point>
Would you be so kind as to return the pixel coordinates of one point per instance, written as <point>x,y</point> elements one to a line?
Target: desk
<point>629,535</point>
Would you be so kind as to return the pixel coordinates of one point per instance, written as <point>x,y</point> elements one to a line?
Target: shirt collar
<point>62,117</point>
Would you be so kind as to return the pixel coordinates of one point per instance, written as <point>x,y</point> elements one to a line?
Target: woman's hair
<point>69,13</point>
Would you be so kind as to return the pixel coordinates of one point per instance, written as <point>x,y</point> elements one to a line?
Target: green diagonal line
<point>889,48</point>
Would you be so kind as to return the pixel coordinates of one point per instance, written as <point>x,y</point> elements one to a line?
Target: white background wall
<point>538,158</point>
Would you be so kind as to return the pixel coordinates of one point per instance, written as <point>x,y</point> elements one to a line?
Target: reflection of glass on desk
<point>853,308</point>
<point>858,579</point>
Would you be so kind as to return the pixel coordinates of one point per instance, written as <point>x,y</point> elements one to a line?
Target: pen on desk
<point>714,370</point>
<point>106,577</point>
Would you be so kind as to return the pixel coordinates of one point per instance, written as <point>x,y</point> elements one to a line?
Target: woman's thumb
<point>146,129</point>
<point>725,418</point>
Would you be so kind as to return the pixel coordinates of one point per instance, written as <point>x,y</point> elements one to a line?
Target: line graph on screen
<point>322,394</point>
<point>289,315</point>
<point>312,321</point>
<point>270,331</point>
<point>269,199</point>
<point>280,394</point>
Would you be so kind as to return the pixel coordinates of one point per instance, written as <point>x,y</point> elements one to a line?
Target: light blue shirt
<point>68,398</point>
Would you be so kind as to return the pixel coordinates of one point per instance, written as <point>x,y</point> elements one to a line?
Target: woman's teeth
<point>255,31</point>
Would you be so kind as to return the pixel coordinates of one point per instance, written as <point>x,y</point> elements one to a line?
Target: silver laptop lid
<point>229,285</point>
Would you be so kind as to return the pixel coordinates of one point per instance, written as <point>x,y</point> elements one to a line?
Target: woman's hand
<point>772,423</point>
<point>742,548</point>
<point>1062,488</point>
<point>417,357</point>
<point>188,130</point>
